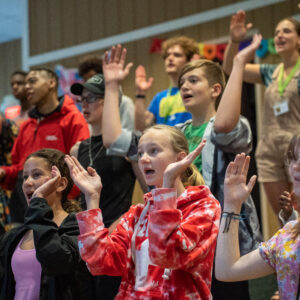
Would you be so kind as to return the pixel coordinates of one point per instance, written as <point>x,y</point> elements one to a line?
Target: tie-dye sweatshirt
<point>163,249</point>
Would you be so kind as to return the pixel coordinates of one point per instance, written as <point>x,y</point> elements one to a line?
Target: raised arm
<point>114,71</point>
<point>238,30</point>
<point>143,118</point>
<point>229,109</point>
<point>229,265</point>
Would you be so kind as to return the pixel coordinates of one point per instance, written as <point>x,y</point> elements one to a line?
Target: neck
<point>96,129</point>
<point>201,116</point>
<point>48,104</point>
<point>25,106</point>
<point>59,214</point>
<point>290,60</point>
<point>174,79</point>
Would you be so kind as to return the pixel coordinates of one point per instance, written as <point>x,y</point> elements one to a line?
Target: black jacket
<point>63,272</point>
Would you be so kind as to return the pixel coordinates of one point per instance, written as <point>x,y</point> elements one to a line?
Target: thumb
<point>249,26</point>
<point>91,171</point>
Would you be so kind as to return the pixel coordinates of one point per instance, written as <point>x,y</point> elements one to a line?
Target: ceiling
<point>10,20</point>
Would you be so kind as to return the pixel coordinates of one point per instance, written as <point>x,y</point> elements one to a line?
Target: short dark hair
<point>19,72</point>
<point>51,74</point>
<point>90,62</point>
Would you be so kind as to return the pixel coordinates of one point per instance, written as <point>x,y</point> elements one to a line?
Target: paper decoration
<point>216,51</point>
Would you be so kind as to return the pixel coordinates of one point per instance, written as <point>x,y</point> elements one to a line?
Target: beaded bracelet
<point>229,216</point>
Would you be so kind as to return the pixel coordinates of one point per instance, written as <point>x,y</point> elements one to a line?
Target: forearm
<point>229,265</point>
<point>140,114</point>
<point>111,123</point>
<point>229,109</point>
<point>231,50</point>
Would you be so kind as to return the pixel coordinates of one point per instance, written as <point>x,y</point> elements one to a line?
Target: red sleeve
<point>76,127</point>
<point>17,165</point>
<point>104,254</point>
<point>183,242</point>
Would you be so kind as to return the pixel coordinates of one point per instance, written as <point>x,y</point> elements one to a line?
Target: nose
<point>144,158</point>
<point>184,86</point>
<point>27,181</point>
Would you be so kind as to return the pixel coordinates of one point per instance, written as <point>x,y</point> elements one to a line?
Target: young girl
<point>281,115</point>
<point>40,259</point>
<point>163,249</point>
<point>280,254</point>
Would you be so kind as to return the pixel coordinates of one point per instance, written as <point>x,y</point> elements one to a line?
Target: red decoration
<point>220,51</point>
<point>156,45</point>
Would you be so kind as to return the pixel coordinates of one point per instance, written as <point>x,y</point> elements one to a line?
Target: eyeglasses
<point>89,99</point>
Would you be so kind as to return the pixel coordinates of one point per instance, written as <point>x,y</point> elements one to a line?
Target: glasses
<point>88,99</point>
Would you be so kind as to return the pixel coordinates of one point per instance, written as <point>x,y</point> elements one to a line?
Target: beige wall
<point>62,23</point>
<point>10,61</point>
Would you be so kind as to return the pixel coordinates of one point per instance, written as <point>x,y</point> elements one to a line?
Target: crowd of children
<point>196,234</point>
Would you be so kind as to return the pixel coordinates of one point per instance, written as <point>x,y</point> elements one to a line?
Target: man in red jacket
<point>53,123</point>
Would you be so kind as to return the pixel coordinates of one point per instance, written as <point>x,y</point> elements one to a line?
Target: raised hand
<point>49,185</point>
<point>286,202</point>
<point>114,68</point>
<point>247,54</point>
<point>174,170</point>
<point>238,27</point>
<point>141,83</point>
<point>88,181</point>
<point>236,189</point>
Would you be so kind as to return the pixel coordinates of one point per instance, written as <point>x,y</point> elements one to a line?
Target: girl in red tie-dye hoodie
<point>163,249</point>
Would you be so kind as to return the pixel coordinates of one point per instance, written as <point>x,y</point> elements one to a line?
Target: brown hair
<point>191,175</point>
<point>188,45</point>
<point>56,158</point>
<point>212,72</point>
<point>291,156</point>
<point>88,63</point>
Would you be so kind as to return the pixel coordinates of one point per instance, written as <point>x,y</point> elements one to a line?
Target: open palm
<point>238,26</point>
<point>247,54</point>
<point>88,181</point>
<point>141,82</point>
<point>236,189</point>
<point>50,184</point>
<point>114,68</point>
<point>175,169</point>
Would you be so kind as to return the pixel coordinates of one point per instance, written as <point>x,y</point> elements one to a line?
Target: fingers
<point>251,183</point>
<point>196,152</point>
<point>140,71</point>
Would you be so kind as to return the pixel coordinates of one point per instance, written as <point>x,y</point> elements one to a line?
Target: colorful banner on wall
<point>216,51</point>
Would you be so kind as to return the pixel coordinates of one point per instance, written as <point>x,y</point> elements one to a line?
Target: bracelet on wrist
<point>139,96</point>
<point>229,216</point>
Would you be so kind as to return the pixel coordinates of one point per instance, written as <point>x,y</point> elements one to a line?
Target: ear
<point>52,83</point>
<point>62,184</point>
<point>181,155</point>
<point>216,90</point>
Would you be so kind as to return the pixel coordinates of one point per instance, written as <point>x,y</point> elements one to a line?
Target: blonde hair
<point>188,45</point>
<point>212,72</point>
<point>191,176</point>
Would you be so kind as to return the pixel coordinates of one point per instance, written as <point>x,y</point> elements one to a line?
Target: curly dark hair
<point>90,62</point>
<point>56,158</point>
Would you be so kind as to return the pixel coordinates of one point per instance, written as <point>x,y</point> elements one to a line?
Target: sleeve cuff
<point>293,216</point>
<point>121,145</point>
<point>164,198</point>
<point>90,220</point>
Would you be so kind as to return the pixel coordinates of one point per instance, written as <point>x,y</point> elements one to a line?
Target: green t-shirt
<point>194,135</point>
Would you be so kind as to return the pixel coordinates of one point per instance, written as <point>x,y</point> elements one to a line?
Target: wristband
<point>139,96</point>
<point>229,216</point>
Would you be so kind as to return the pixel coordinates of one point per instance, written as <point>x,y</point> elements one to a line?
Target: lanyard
<point>283,84</point>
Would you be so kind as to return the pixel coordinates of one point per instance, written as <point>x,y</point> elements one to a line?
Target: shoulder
<point>183,126</point>
<point>266,72</point>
